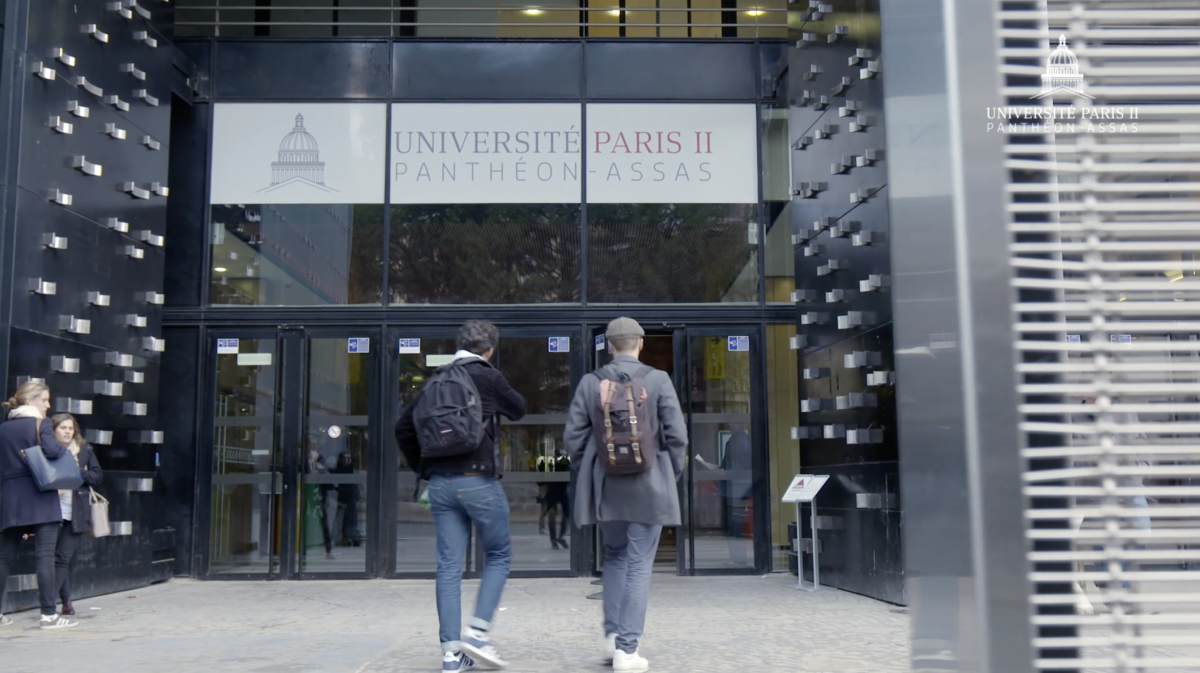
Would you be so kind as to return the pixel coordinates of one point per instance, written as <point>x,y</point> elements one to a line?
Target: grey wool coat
<point>650,497</point>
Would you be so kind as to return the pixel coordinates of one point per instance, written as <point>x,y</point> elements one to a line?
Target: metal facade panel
<point>487,70</point>
<point>1102,215</point>
<point>840,236</point>
<point>301,70</point>
<point>681,71</point>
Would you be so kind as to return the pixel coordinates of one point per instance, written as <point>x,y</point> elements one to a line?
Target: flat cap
<point>624,327</point>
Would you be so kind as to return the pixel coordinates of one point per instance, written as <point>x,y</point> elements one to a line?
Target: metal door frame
<point>375,446</point>
<point>291,395</point>
<point>390,459</point>
<point>760,457</point>
<point>681,376</point>
<point>204,523</point>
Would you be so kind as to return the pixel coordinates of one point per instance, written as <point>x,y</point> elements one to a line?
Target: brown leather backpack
<point>624,443</point>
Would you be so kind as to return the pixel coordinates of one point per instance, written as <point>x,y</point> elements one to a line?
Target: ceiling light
<point>755,12</point>
<point>533,11</point>
<point>220,269</point>
<point>615,12</point>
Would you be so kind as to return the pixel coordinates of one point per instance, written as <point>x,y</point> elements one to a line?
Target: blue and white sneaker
<point>453,662</point>
<point>475,643</point>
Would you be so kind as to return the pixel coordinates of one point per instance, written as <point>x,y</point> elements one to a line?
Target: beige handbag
<point>99,505</point>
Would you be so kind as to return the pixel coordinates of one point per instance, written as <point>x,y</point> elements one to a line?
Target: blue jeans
<point>456,502</point>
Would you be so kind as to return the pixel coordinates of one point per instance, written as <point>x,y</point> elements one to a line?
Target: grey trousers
<point>629,550</point>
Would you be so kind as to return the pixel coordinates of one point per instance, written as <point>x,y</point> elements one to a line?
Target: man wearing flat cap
<point>631,509</point>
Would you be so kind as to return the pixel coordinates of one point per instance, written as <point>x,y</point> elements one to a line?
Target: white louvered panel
<point>1106,262</point>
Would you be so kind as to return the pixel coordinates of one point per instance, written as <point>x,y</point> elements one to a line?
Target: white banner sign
<point>665,153</point>
<point>486,153</point>
<point>445,153</point>
<point>297,153</point>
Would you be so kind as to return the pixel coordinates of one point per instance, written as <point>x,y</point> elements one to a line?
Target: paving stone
<point>694,625</point>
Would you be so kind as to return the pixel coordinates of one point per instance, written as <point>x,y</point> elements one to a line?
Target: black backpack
<point>624,443</point>
<point>449,413</point>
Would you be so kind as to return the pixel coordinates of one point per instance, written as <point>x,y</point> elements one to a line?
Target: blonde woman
<point>24,509</point>
<point>75,504</point>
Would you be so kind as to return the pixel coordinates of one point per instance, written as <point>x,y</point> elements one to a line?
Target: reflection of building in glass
<point>283,255</point>
<point>312,243</point>
<point>299,161</point>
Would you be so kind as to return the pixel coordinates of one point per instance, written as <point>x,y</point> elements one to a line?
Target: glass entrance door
<point>665,349</point>
<point>338,445</point>
<point>726,471</point>
<point>294,441</point>
<point>542,365</point>
<point>716,375</point>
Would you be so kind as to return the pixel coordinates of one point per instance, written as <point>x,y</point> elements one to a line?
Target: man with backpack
<point>449,437</point>
<point>627,434</point>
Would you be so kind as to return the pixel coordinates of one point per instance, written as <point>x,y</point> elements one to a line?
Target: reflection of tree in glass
<point>695,252</point>
<point>484,254</point>
<point>366,255</point>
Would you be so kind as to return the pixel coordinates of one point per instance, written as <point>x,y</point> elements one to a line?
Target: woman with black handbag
<point>24,508</point>
<point>75,503</point>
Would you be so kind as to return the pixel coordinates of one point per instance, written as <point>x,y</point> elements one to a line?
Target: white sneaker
<point>475,644</point>
<point>629,663</point>
<point>57,622</point>
<point>456,662</point>
<point>610,647</point>
<point>5,621</point>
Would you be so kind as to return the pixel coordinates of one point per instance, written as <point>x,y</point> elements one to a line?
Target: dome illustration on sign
<point>299,163</point>
<point>1062,73</point>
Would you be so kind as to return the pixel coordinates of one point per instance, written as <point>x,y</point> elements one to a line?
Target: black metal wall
<point>844,311</point>
<point>85,101</point>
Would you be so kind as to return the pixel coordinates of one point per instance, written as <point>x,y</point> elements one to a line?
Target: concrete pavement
<point>695,625</point>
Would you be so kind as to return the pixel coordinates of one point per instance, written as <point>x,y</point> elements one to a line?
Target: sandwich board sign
<point>804,489</point>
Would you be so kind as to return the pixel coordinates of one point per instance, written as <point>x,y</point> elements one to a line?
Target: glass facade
<point>672,253</point>
<point>317,255</point>
<point>330,497</point>
<point>296,255</point>
<point>484,254</point>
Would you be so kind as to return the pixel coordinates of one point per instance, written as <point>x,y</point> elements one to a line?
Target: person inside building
<point>24,509</point>
<point>348,496</point>
<point>464,486</point>
<point>75,503</point>
<point>631,509</point>
<point>738,492</point>
<point>325,496</point>
<point>553,498</point>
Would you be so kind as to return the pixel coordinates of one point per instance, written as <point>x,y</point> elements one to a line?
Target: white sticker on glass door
<point>668,153</point>
<point>298,153</point>
<point>444,153</point>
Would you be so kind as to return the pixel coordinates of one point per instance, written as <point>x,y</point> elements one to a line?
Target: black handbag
<point>62,473</point>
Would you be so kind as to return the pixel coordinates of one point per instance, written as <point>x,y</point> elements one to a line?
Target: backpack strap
<point>608,430</point>
<point>633,425</point>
